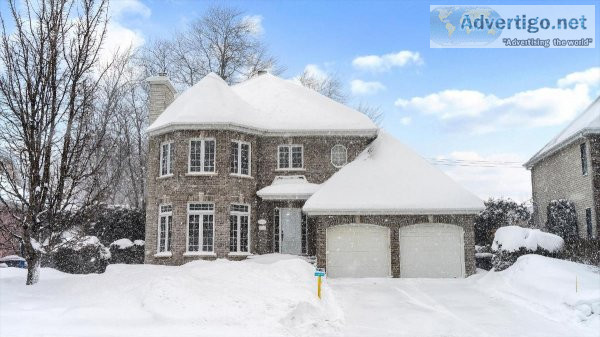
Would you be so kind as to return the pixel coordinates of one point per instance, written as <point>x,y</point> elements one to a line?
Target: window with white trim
<point>166,159</point>
<point>290,157</point>
<point>202,156</point>
<point>165,222</point>
<point>239,158</point>
<point>339,155</point>
<point>584,161</point>
<point>201,219</point>
<point>239,219</point>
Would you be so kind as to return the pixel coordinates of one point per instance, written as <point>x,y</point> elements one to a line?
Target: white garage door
<point>358,250</point>
<point>432,250</point>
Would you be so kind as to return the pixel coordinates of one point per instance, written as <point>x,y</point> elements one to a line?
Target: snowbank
<point>512,238</point>
<point>556,287</point>
<point>139,242</point>
<point>122,243</point>
<point>268,295</point>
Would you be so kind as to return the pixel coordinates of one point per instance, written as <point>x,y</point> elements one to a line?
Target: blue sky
<point>469,104</point>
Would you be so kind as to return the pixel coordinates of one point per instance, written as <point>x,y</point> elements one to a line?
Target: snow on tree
<point>499,213</point>
<point>562,219</point>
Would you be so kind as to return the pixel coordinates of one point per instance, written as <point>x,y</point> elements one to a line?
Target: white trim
<point>239,158</point>
<point>202,156</point>
<point>297,196</point>
<point>390,211</point>
<point>240,253</point>
<point>201,213</point>
<point>331,155</point>
<point>290,168</point>
<point>238,214</point>
<point>168,174</point>
<point>259,131</point>
<point>167,228</point>
<point>187,254</point>
<point>163,254</point>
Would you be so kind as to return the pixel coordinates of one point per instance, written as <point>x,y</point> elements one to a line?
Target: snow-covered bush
<point>499,213</point>
<point>562,219</point>
<point>81,256</point>
<point>126,251</point>
<point>511,242</point>
<point>110,223</point>
<point>583,251</point>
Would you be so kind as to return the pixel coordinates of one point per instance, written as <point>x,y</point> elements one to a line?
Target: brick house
<point>568,167</point>
<point>270,166</point>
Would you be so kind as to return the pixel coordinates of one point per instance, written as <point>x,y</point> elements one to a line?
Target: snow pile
<point>555,287</point>
<point>513,238</point>
<point>139,242</point>
<point>390,178</point>
<point>122,243</point>
<point>266,296</point>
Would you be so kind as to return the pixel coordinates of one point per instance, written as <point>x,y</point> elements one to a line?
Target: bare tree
<point>55,124</point>
<point>371,111</point>
<point>328,85</point>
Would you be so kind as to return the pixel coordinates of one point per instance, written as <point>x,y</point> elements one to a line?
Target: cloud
<point>118,9</point>
<point>387,61</point>
<point>589,77</point>
<point>255,21</point>
<point>478,112</point>
<point>359,87</point>
<point>119,37</point>
<point>506,180</point>
<point>316,72</point>
<point>405,120</point>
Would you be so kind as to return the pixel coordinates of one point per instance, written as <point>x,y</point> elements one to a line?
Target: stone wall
<point>395,222</point>
<point>595,162</point>
<point>559,176</point>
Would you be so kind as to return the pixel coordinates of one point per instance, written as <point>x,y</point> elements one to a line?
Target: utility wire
<point>475,163</point>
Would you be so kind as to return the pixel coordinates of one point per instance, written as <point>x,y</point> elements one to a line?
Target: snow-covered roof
<point>586,123</point>
<point>265,104</point>
<point>288,188</point>
<point>389,178</point>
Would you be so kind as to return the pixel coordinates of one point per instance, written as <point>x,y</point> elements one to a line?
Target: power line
<point>475,163</point>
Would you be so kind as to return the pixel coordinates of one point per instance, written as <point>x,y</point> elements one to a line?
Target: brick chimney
<point>162,94</point>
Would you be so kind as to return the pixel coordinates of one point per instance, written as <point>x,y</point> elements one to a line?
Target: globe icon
<point>450,26</point>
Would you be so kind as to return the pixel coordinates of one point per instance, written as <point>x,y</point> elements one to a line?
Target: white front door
<point>432,251</point>
<point>290,235</point>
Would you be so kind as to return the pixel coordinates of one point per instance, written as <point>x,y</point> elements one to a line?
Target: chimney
<point>162,94</point>
<point>261,72</point>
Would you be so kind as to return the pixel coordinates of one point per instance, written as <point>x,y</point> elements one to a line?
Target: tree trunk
<point>33,268</point>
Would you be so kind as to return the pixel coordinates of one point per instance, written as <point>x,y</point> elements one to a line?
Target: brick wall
<point>224,189</point>
<point>395,222</point>
<point>595,162</point>
<point>559,176</point>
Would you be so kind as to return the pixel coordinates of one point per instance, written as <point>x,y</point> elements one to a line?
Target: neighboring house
<point>9,245</point>
<point>568,167</point>
<point>268,165</point>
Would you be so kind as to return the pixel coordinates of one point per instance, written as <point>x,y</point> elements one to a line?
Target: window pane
<point>284,157</point>
<point>209,156</point>
<point>169,225</point>
<point>239,208</point>
<point>583,148</point>
<point>166,208</point>
<point>233,158</point>
<point>171,157</point>
<point>194,232</point>
<point>164,159</point>
<point>207,233</point>
<point>338,156</point>
<point>233,233</point>
<point>245,158</point>
<point>588,220</point>
<point>162,235</point>
<point>243,233</point>
<point>296,156</point>
<point>195,156</point>
<point>201,207</point>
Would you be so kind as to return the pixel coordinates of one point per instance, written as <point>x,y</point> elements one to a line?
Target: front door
<point>290,235</point>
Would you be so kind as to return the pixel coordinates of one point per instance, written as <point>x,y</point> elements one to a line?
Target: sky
<point>499,105</point>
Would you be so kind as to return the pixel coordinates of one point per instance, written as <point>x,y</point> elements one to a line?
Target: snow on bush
<point>513,238</point>
<point>122,243</point>
<point>81,255</point>
<point>562,219</point>
<point>266,296</point>
<point>562,288</point>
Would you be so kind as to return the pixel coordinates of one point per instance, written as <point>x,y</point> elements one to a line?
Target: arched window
<point>339,155</point>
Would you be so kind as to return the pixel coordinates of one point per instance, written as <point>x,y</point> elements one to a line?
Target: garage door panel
<point>431,251</point>
<point>358,251</point>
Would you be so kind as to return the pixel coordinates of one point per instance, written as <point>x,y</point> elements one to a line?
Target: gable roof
<point>587,122</point>
<point>389,178</point>
<point>265,104</point>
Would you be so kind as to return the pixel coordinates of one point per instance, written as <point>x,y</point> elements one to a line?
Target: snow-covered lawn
<point>274,295</point>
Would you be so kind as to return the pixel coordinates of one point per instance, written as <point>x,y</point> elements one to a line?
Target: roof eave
<point>558,147</point>
<point>400,211</point>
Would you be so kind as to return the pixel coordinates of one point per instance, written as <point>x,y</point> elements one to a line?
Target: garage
<point>432,251</point>
<point>358,250</point>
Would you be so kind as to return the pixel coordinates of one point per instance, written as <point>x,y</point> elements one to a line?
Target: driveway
<point>444,307</point>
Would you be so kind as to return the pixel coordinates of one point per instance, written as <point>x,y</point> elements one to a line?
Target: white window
<point>290,157</point>
<point>239,158</point>
<point>201,219</point>
<point>202,156</point>
<point>166,159</point>
<point>339,155</point>
<point>239,219</point>
<point>165,221</point>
